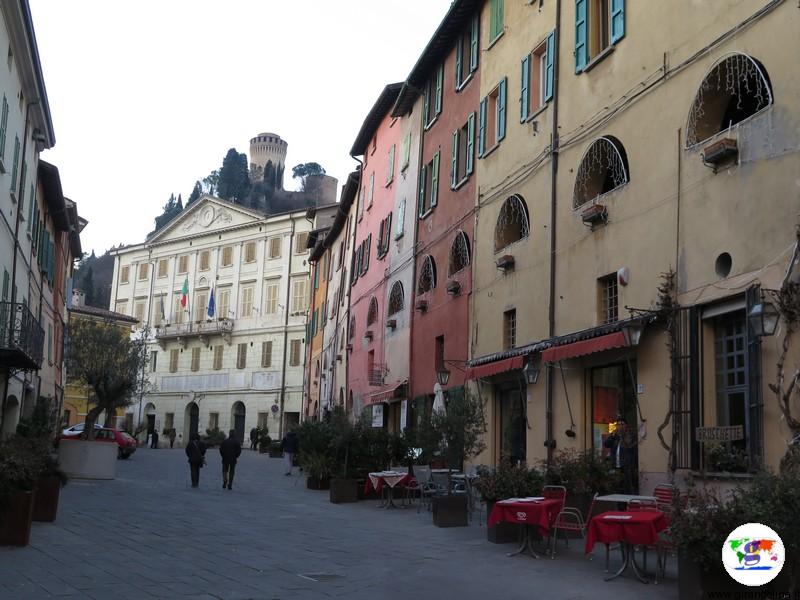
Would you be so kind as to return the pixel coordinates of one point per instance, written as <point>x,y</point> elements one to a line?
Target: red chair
<point>555,492</point>
<point>667,496</point>
<point>637,505</point>
<point>571,519</point>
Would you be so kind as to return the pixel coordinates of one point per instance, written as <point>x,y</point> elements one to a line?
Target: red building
<point>445,86</point>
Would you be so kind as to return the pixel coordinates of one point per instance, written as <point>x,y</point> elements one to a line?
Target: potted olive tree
<point>315,453</point>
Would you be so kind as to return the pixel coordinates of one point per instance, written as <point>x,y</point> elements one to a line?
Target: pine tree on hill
<point>172,208</point>
<point>195,195</point>
<point>87,285</point>
<point>234,181</point>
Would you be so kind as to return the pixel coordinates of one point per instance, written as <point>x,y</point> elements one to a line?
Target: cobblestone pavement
<point>148,534</point>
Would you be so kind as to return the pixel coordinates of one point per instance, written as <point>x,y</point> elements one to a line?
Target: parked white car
<point>78,428</point>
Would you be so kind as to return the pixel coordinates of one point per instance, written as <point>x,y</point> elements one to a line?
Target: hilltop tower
<point>265,148</point>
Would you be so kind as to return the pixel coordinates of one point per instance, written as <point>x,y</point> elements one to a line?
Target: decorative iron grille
<point>512,223</point>
<point>427,275</point>
<point>459,254</point>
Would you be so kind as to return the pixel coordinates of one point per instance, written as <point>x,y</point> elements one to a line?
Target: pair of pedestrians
<point>230,449</point>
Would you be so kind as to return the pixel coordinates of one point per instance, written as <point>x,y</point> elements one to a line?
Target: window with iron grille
<point>396,298</point>
<point>608,298</point>
<point>603,169</point>
<point>459,254</point>
<point>512,223</point>
<point>427,275</point>
<point>510,329</point>
<point>372,313</point>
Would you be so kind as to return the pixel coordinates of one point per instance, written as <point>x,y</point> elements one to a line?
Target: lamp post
<point>764,318</point>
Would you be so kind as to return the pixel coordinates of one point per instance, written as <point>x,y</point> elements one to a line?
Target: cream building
<point>238,362</point>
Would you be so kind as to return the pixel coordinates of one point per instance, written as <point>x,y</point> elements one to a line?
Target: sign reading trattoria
<point>719,434</point>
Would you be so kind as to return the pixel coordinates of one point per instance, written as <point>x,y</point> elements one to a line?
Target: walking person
<point>290,445</point>
<point>196,451</point>
<point>254,438</point>
<point>154,439</point>
<point>171,438</point>
<point>230,450</point>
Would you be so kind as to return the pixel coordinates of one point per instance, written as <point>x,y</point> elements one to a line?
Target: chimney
<point>78,298</point>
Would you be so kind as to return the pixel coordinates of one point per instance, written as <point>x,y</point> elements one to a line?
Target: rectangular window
<point>250,252</point>
<point>463,152</point>
<point>138,312</point>
<point>183,264</point>
<point>241,356</point>
<point>205,256</point>
<point>294,353</point>
<point>492,119</point>
<point>247,302</point>
<point>200,306</point>
<point>371,189</point>
<point>263,420</point>
<point>275,247</point>
<point>173,360</point>
<point>608,298</point>
<point>218,353</point>
<point>599,24</point>
<point>299,295</point>
<point>390,166</point>
<point>438,357</point>
<point>178,311</point>
<point>510,329</point>
<point>224,307</point>
<point>169,421</point>
<point>163,266</point>
<point>432,100</point>
<point>153,361</point>
<point>227,256</point>
<point>363,203</point>
<point>495,19</point>
<point>467,52</point>
<point>401,219</point>
<point>3,128</point>
<point>536,87</point>
<point>429,185</point>
<point>196,358</point>
<point>213,420</point>
<point>144,271</point>
<point>124,274</point>
<point>384,236</point>
<point>405,152</point>
<point>340,256</point>
<point>271,297</point>
<point>266,354</point>
<point>121,307</point>
<point>300,243</point>
<point>6,285</point>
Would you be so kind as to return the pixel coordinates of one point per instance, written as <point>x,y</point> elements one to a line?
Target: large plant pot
<point>45,505</point>
<point>15,519</point>
<point>318,483</point>
<point>344,490</point>
<point>696,584</point>
<point>502,533</point>
<point>450,511</point>
<point>88,460</point>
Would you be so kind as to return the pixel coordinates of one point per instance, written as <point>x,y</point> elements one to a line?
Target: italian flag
<point>185,293</point>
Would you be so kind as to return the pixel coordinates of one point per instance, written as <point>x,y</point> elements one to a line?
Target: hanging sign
<point>719,434</point>
<point>377,415</point>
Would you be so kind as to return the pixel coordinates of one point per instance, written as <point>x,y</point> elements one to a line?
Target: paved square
<point>148,534</point>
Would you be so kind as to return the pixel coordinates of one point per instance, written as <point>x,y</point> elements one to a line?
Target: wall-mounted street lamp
<point>764,318</point>
<point>531,372</point>
<point>442,376</point>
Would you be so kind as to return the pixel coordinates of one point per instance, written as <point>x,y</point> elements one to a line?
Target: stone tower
<point>264,148</point>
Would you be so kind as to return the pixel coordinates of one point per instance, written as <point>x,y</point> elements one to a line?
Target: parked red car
<point>126,444</point>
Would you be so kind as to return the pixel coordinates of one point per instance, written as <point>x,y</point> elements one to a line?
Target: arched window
<point>603,168</point>
<point>352,331</point>
<point>735,88</point>
<point>459,254</point>
<point>427,275</point>
<point>396,298</point>
<point>512,223</point>
<point>372,313</point>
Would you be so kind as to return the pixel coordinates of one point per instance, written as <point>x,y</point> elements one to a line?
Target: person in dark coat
<point>622,444</point>
<point>290,445</point>
<point>254,438</point>
<point>171,438</point>
<point>154,439</point>
<point>230,450</point>
<point>196,451</point>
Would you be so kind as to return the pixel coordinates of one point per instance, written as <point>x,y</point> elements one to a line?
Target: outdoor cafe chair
<point>667,497</point>
<point>571,519</point>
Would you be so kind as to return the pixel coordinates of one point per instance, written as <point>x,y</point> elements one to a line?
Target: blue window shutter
<point>426,104</point>
<point>501,109</point>
<point>421,202</point>
<point>617,20</point>
<point>3,127</point>
<point>454,172</point>
<point>459,51</point>
<point>549,66</point>
<point>16,165</point>
<point>439,84</point>
<point>524,92</point>
<point>474,41</point>
<point>482,128</point>
<point>470,143</point>
<point>581,36</point>
<point>435,180</point>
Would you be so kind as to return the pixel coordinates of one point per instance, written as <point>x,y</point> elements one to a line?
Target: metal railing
<point>189,329</point>
<point>376,374</point>
<point>21,337</point>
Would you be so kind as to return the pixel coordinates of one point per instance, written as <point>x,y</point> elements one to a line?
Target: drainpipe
<point>286,331</point>
<point>549,441</point>
<point>349,288</point>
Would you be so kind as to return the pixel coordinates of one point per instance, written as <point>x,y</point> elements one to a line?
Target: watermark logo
<point>753,554</point>
<point>522,516</point>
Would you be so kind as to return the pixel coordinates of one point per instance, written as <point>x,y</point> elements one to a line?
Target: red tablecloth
<point>368,485</point>
<point>638,528</point>
<point>540,513</point>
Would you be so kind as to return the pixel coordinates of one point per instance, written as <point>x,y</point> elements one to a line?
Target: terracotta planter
<point>15,519</point>
<point>450,511</point>
<point>503,532</point>
<point>318,483</point>
<point>344,490</point>
<point>45,505</point>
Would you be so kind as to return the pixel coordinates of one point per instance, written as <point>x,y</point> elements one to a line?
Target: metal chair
<point>555,492</point>
<point>639,505</point>
<point>571,519</point>
<point>667,496</point>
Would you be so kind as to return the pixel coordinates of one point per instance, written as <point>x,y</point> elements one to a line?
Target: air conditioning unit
<point>368,334</point>
<point>421,305</point>
<point>453,288</point>
<point>505,262</point>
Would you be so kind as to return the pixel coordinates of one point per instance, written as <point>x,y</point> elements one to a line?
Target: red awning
<point>390,394</point>
<point>493,368</point>
<point>583,347</point>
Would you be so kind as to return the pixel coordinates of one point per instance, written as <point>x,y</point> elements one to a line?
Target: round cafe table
<point>532,512</point>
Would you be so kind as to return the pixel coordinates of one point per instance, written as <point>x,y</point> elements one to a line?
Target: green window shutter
<point>401,217</point>
<point>548,66</point>
<point>388,231</point>
<point>482,127</point>
<point>474,40</point>
<point>426,104</point>
<point>380,237</point>
<point>524,93</point>
<point>3,127</point>
<point>367,249</point>
<point>581,36</point>
<point>435,180</point>
<point>459,51</point>
<point>31,205</point>
<point>51,267</point>
<point>501,109</point>
<point>439,83</point>
<point>16,165</point>
<point>6,282</point>
<point>22,187</point>
<point>316,276</point>
<point>496,20</point>
<point>421,203</point>
<point>617,20</point>
<point>470,143</point>
<point>454,172</point>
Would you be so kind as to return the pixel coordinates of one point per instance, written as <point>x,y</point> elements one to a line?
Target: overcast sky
<point>148,96</point>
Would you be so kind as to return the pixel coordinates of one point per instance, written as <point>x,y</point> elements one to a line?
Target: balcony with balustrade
<point>21,338</point>
<point>203,330</point>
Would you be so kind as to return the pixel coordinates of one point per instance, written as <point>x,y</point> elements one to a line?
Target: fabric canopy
<point>584,347</point>
<point>493,368</point>
<point>386,395</point>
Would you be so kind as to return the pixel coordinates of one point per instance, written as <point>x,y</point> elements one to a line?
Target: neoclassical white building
<point>237,362</point>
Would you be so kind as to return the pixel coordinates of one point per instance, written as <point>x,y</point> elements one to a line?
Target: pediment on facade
<point>207,215</point>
